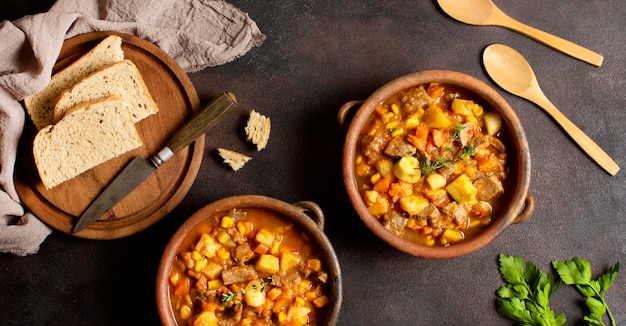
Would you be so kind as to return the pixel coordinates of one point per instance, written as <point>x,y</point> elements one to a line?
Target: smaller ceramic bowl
<point>307,215</point>
<point>517,204</point>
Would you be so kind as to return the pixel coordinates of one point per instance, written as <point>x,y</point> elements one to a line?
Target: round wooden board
<point>157,196</point>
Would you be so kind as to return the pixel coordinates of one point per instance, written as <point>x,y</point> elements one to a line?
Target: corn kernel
<point>241,227</point>
<point>282,317</point>
<point>392,124</point>
<point>395,109</point>
<point>195,255</point>
<point>397,132</point>
<point>246,322</point>
<point>223,254</point>
<point>299,302</point>
<point>215,284</point>
<point>374,178</point>
<point>199,265</point>
<point>185,312</point>
<point>411,224</point>
<point>359,159</point>
<point>175,278</point>
<point>227,221</point>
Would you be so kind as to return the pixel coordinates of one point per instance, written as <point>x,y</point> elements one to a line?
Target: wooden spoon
<point>485,12</point>
<point>512,72</point>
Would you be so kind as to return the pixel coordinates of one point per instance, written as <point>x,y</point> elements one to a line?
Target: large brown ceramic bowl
<point>307,215</point>
<point>517,204</point>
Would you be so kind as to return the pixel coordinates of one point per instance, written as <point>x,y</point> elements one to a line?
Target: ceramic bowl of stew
<point>247,259</point>
<point>436,163</point>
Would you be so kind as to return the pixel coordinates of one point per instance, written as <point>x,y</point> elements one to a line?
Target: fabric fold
<point>196,33</point>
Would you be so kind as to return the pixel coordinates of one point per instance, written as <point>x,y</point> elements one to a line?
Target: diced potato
<point>206,318</point>
<point>289,260</point>
<point>265,237</point>
<point>321,301</point>
<point>376,204</point>
<point>462,107</point>
<point>493,122</point>
<point>411,121</point>
<point>207,246</point>
<point>384,167</point>
<point>436,181</point>
<point>450,236</point>
<point>314,264</point>
<point>224,238</point>
<point>255,296</point>
<point>413,204</point>
<point>407,169</point>
<point>435,118</point>
<point>462,190</point>
<point>274,293</point>
<point>269,264</point>
<point>295,312</point>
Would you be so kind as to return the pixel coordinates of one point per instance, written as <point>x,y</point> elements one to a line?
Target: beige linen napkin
<point>196,33</point>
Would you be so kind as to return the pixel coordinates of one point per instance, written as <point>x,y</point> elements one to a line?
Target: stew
<point>249,267</point>
<point>431,164</point>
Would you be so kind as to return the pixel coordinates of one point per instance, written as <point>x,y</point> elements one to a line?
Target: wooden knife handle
<point>206,118</point>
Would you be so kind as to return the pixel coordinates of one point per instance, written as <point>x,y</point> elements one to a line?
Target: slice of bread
<point>40,105</point>
<point>121,78</point>
<point>258,130</point>
<point>234,159</point>
<point>92,133</point>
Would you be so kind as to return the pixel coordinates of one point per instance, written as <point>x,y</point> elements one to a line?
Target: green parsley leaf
<point>577,272</point>
<point>525,298</point>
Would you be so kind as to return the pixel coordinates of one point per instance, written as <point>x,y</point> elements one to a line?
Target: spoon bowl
<point>509,69</point>
<point>485,12</point>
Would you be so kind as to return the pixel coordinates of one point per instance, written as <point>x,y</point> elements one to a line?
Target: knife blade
<point>135,172</point>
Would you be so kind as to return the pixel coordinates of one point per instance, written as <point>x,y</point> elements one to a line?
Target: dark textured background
<point>317,56</point>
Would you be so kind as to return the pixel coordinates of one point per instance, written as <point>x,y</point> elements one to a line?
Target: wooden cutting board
<point>157,196</point>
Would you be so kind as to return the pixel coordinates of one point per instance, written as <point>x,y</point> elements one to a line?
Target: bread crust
<point>40,105</point>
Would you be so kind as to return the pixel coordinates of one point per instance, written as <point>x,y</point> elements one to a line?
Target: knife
<point>135,172</point>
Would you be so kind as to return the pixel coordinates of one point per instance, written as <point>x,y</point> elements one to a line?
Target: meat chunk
<point>243,253</point>
<point>395,223</point>
<point>489,187</point>
<point>415,99</point>
<point>400,147</point>
<point>238,274</point>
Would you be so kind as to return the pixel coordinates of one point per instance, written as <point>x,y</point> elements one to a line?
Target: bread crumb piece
<point>258,130</point>
<point>235,160</point>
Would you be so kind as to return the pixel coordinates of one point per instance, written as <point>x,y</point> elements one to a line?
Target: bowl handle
<point>313,211</point>
<point>527,212</point>
<point>345,113</point>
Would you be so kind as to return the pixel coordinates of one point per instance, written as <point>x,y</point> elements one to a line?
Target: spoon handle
<point>550,40</point>
<point>587,144</point>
